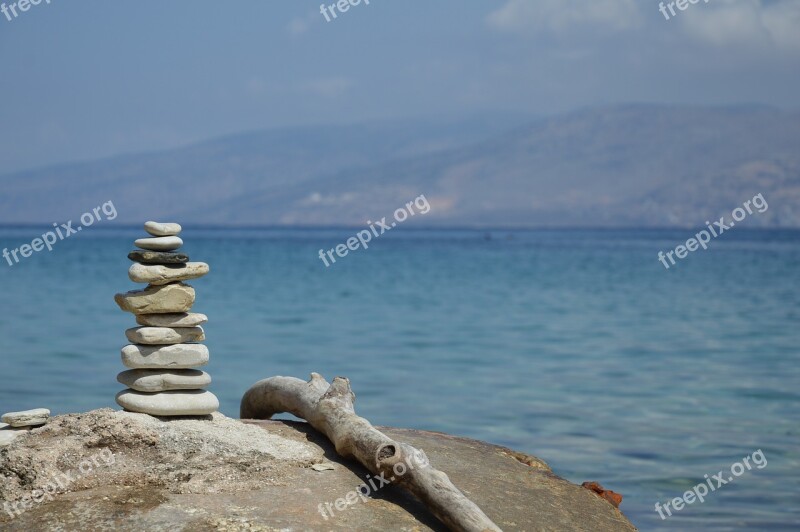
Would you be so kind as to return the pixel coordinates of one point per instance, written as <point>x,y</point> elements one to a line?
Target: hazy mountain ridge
<point>633,165</point>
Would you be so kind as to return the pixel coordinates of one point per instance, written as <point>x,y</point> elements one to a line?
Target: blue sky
<point>88,79</point>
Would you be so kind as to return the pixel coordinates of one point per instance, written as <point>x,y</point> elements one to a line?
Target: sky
<point>94,78</point>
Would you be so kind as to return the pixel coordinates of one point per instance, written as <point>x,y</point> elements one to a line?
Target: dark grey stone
<point>157,257</point>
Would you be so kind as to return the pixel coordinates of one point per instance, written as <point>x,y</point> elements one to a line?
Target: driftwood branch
<point>329,409</point>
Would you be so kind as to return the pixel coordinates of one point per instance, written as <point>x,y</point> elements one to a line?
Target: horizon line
<point>473,228</point>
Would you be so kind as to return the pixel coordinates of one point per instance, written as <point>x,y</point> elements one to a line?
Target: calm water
<point>575,346</point>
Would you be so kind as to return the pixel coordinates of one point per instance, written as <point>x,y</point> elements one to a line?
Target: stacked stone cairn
<point>165,349</point>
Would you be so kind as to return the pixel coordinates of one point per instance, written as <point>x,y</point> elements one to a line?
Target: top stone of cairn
<point>162,229</point>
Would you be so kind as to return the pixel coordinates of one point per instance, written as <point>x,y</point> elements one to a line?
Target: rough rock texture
<point>167,299</point>
<point>158,274</point>
<point>194,475</point>
<point>165,335</point>
<point>182,319</point>
<point>180,356</point>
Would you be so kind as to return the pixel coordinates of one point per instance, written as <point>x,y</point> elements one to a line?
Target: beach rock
<point>8,433</point>
<point>159,380</point>
<point>166,299</point>
<point>162,229</point>
<point>159,243</point>
<point>182,319</point>
<point>177,403</point>
<point>28,418</point>
<point>165,335</point>
<point>216,474</point>
<point>179,356</point>
<point>157,257</point>
<point>158,274</point>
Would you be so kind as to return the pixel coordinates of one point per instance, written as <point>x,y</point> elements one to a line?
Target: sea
<point>576,346</point>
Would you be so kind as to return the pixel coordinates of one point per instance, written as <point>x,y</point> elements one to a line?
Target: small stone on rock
<point>28,418</point>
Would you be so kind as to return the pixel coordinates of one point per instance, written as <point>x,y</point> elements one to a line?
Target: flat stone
<point>157,257</point>
<point>182,319</point>
<point>159,243</point>
<point>166,299</point>
<point>165,335</point>
<point>160,380</point>
<point>28,418</point>
<point>176,403</point>
<point>163,229</point>
<point>158,274</point>
<point>179,356</point>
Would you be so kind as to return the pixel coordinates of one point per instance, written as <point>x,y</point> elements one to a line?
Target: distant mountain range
<point>631,165</point>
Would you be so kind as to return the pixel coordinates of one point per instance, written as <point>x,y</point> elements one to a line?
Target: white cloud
<point>750,22</point>
<point>560,15</point>
<point>315,198</point>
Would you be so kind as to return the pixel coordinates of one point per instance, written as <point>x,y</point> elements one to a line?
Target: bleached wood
<point>329,409</point>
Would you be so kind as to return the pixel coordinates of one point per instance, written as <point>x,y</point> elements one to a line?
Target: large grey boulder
<point>221,474</point>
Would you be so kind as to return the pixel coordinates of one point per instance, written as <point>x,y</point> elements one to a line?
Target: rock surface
<point>176,403</point>
<point>8,433</point>
<point>28,418</point>
<point>158,274</point>
<point>161,380</point>
<point>167,299</point>
<point>192,475</point>
<point>163,229</point>
<point>159,243</point>
<point>182,319</point>
<point>157,257</point>
<point>179,356</point>
<point>165,335</point>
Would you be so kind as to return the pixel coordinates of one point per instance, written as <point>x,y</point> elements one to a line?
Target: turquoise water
<point>576,346</point>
